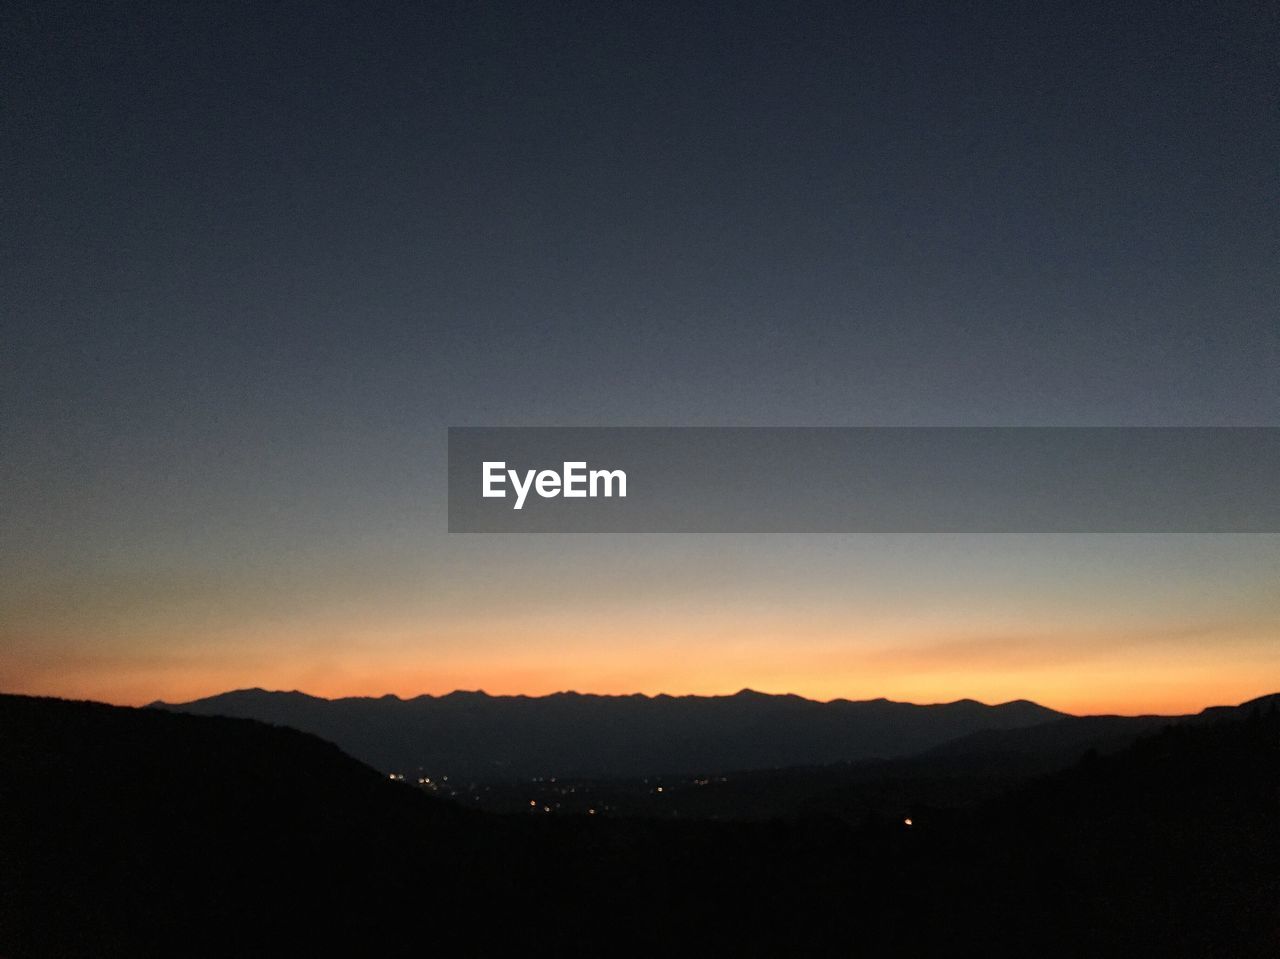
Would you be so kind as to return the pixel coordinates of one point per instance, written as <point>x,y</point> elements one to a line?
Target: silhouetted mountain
<point>1049,746</point>
<point>492,738</point>
<point>143,828</point>
<point>1262,704</point>
<point>1170,846</point>
<point>141,833</point>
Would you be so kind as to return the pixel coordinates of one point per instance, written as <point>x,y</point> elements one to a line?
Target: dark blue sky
<point>258,256</point>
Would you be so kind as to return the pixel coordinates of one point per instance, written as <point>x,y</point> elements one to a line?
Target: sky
<point>258,258</point>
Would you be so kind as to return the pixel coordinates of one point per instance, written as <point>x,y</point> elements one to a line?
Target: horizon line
<point>142,702</point>
<point>744,691</point>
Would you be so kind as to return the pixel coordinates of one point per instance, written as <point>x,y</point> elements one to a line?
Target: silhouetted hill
<point>1049,746</point>
<point>142,833</point>
<point>143,827</point>
<point>492,738</point>
<point>1262,704</point>
<point>1170,846</point>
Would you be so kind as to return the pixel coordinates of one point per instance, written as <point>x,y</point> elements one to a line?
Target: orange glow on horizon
<point>1083,666</point>
<point>1175,687</point>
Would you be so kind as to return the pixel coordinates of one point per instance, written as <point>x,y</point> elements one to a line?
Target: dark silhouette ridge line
<point>511,737</point>
<point>481,738</point>
<point>744,693</point>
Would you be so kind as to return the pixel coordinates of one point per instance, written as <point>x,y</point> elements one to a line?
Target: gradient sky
<point>259,256</point>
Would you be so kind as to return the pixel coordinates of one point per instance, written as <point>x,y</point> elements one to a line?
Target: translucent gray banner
<point>872,480</point>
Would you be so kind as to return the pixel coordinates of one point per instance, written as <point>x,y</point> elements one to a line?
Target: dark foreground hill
<point>125,829</point>
<point>143,833</point>
<point>495,738</point>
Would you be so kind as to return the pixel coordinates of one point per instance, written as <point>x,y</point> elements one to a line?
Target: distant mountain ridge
<point>1063,740</point>
<point>475,735</point>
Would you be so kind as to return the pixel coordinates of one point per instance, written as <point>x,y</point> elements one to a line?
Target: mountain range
<point>475,736</point>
